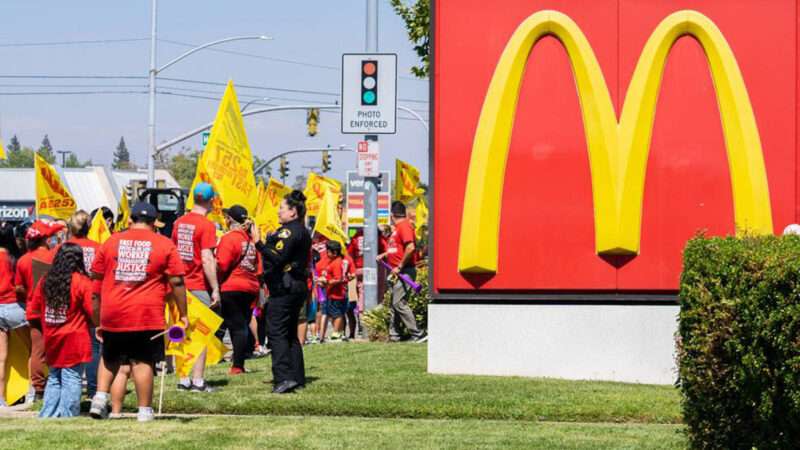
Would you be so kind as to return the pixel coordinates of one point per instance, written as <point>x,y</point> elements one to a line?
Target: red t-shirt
<point>24,275</point>
<point>396,246</point>
<point>7,292</point>
<point>356,250</point>
<point>244,276</point>
<point>351,265</point>
<point>334,273</point>
<point>89,248</point>
<point>65,330</point>
<point>135,266</point>
<point>192,233</point>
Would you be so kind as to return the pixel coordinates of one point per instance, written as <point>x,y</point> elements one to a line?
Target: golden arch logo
<point>617,151</point>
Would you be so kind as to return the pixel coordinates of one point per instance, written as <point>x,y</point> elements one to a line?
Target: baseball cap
<point>144,210</point>
<point>237,213</point>
<point>203,192</point>
<point>42,230</point>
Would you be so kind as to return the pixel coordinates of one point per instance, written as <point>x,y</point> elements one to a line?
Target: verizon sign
<point>15,211</point>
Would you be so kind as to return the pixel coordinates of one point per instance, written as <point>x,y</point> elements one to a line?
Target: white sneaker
<point>145,416</point>
<point>115,416</point>
<point>99,408</point>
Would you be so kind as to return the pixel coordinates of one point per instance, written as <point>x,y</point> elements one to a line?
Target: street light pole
<point>246,105</point>
<point>154,71</point>
<point>371,186</point>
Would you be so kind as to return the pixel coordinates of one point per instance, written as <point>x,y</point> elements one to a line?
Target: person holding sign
<point>133,271</point>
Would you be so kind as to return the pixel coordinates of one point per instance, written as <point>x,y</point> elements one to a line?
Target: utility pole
<point>371,186</point>
<point>151,123</point>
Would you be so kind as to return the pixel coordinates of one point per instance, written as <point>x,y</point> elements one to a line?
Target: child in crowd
<point>334,279</point>
<point>61,308</point>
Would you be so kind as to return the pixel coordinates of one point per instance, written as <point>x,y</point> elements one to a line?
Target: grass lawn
<point>330,432</point>
<point>389,380</point>
<point>379,395</point>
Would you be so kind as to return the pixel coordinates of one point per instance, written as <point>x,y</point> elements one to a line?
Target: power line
<point>143,86</point>
<point>76,77</point>
<point>59,43</point>
<point>72,92</point>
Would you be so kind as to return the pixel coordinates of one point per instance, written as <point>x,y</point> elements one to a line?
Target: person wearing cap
<point>239,272</point>
<point>196,238</point>
<point>400,248</point>
<point>133,271</point>
<point>286,254</point>
<point>32,266</point>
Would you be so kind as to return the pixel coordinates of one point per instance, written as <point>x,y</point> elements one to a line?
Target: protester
<point>32,266</point>
<point>133,270</point>
<point>356,251</point>
<point>12,315</point>
<point>400,256</point>
<point>61,309</point>
<point>240,271</point>
<point>196,238</point>
<point>286,256</point>
<point>79,225</point>
<point>334,280</point>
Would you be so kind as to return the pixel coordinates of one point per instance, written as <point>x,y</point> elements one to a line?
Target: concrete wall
<point>629,343</point>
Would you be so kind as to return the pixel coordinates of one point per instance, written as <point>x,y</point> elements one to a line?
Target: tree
<point>73,161</point>
<point>13,145</point>
<point>183,166</point>
<point>46,150</point>
<point>20,158</point>
<point>418,20</point>
<point>122,158</point>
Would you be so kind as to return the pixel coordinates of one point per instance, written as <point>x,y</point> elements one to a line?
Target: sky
<point>305,55</point>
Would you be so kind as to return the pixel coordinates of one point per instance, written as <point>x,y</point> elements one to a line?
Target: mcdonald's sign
<point>739,160</point>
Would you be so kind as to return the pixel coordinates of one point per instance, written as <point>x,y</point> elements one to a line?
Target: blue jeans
<point>62,395</point>
<point>91,367</point>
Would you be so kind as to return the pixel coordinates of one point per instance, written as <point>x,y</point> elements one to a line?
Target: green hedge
<point>377,320</point>
<point>739,342</point>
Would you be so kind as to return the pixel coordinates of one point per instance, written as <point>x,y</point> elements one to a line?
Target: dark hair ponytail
<point>58,281</point>
<point>297,201</point>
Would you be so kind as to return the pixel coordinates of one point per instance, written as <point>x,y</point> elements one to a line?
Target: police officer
<point>286,254</point>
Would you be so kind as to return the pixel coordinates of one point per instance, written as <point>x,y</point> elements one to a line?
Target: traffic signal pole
<point>371,299</point>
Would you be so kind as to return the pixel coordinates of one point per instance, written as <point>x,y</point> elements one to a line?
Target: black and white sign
<point>369,93</point>
<point>369,159</point>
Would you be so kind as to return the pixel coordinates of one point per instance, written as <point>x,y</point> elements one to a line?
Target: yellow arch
<point>617,151</point>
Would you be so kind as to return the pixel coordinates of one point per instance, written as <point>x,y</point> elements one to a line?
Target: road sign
<point>355,199</point>
<point>206,134</point>
<point>369,93</point>
<point>368,159</point>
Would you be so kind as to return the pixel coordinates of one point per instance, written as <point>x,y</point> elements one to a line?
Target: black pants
<point>287,353</point>
<point>236,313</point>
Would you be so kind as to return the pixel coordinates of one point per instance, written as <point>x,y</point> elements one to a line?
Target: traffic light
<point>369,83</point>
<point>312,120</point>
<point>284,167</point>
<point>326,161</point>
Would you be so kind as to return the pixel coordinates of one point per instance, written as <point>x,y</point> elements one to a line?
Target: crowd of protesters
<point>93,313</point>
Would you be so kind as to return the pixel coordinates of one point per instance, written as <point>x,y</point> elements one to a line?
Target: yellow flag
<point>267,217</point>
<point>99,231</point>
<point>2,149</point>
<point>123,213</point>
<point>406,184</point>
<point>227,157</point>
<point>203,323</point>
<point>202,175</point>
<point>52,197</point>
<point>262,193</point>
<point>328,223</point>
<point>316,186</point>
<point>421,223</point>
<point>17,375</point>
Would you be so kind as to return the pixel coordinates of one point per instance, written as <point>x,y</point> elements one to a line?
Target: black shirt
<point>286,251</point>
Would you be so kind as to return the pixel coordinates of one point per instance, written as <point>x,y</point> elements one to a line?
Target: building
<point>92,188</point>
<point>575,151</point>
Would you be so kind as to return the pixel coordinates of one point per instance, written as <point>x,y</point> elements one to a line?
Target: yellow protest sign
<point>267,216</point>
<point>421,223</point>
<point>203,323</point>
<point>328,222</point>
<point>227,157</point>
<point>123,213</point>
<point>52,197</point>
<point>17,375</point>
<point>99,231</point>
<point>406,184</point>
<point>316,186</point>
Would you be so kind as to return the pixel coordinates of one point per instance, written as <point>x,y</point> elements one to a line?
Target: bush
<point>377,320</point>
<point>738,344</point>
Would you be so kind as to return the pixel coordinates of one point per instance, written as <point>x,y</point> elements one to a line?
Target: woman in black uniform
<point>286,254</point>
